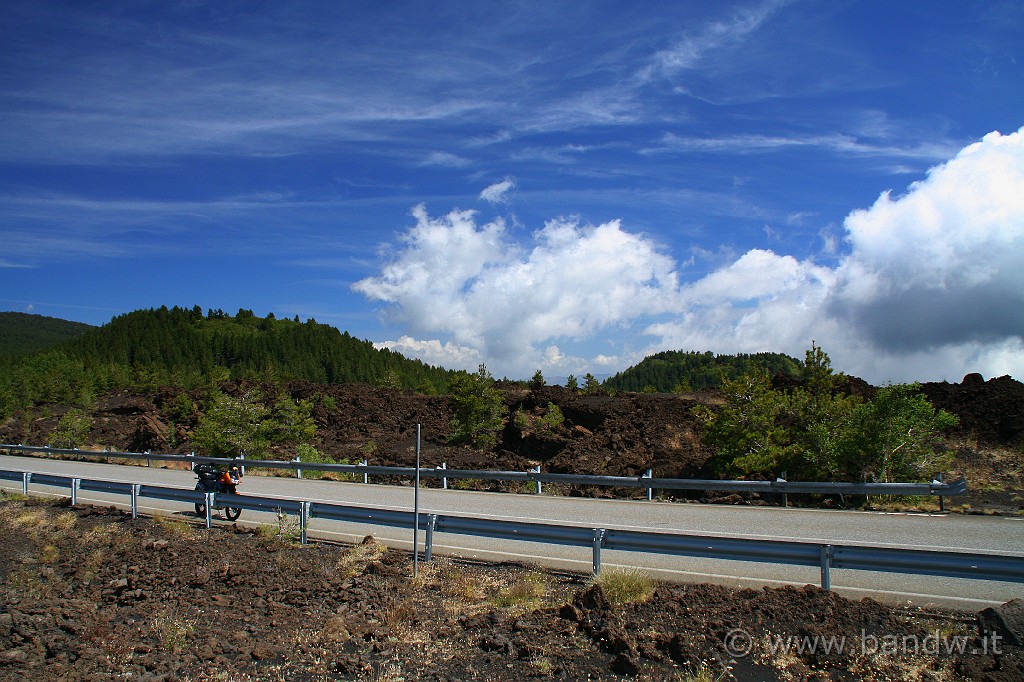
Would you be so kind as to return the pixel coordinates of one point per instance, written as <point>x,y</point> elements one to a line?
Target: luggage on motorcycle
<point>206,471</point>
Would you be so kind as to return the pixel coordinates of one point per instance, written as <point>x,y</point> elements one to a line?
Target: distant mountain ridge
<point>24,333</point>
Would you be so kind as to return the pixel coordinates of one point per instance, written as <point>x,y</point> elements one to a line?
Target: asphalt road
<point>952,532</point>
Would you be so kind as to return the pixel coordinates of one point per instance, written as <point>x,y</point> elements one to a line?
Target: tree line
<point>680,371</point>
<point>188,348</point>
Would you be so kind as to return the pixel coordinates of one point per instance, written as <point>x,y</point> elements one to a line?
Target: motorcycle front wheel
<point>232,513</point>
<point>201,507</point>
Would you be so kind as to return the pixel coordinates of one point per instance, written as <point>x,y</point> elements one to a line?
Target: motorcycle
<point>213,480</point>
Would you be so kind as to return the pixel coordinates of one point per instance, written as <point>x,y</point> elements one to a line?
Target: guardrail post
<point>149,460</point>
<point>25,478</point>
<point>540,487</point>
<point>598,541</point>
<point>428,543</point>
<point>785,495</point>
<point>444,479</point>
<point>241,470</point>
<point>650,490</point>
<point>192,462</point>
<point>209,511</point>
<point>75,483</point>
<point>942,498</point>
<point>303,520</point>
<point>827,554</point>
<point>366,475</point>
<point>135,500</point>
<point>298,471</point>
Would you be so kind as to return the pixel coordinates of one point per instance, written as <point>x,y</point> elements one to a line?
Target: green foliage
<point>548,421</point>
<point>479,407</point>
<point>183,408</point>
<point>816,432</point>
<point>180,347</point>
<point>309,454</point>
<point>682,372</point>
<point>234,425</point>
<point>72,429</point>
<point>746,433</point>
<point>537,382</point>
<point>591,386</point>
<point>391,379</point>
<point>290,421</point>
<point>21,333</point>
<point>898,436</point>
<point>231,426</point>
<point>571,383</point>
<point>682,386</point>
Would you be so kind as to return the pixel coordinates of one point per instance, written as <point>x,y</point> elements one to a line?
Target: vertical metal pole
<point>540,488</point>
<point>598,540</point>
<point>135,500</point>
<point>785,496</point>
<point>149,460</point>
<point>241,455</point>
<point>209,511</point>
<point>366,475</point>
<point>25,478</point>
<point>826,565</point>
<point>298,471</point>
<point>942,498</point>
<point>444,479</point>
<point>428,542</point>
<point>303,520</point>
<point>650,490</point>
<point>416,512</point>
<point>75,483</point>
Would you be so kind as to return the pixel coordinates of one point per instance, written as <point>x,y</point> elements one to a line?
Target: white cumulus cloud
<point>475,286</point>
<point>931,286</point>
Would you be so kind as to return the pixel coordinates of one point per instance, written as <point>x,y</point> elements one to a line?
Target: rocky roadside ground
<point>90,594</point>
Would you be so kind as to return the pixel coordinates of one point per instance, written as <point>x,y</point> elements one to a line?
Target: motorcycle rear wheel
<point>232,513</point>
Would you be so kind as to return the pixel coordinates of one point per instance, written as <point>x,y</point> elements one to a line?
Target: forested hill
<point>180,347</point>
<point>678,371</point>
<point>22,333</point>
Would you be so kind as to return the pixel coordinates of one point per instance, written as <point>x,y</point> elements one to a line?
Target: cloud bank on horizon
<point>930,285</point>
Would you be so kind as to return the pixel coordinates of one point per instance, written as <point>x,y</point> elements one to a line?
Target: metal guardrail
<point>824,556</point>
<point>782,487</point>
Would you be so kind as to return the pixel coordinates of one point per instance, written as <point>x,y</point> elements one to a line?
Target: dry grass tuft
<point>626,585</point>
<point>524,593</point>
<point>356,559</point>
<point>173,632</point>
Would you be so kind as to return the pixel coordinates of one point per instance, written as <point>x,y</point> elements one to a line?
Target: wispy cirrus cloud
<point>695,49</point>
<point>834,142</point>
<point>498,192</point>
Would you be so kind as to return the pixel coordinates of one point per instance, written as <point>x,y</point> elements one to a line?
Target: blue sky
<point>564,186</point>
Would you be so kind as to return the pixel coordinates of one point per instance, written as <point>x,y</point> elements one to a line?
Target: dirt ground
<point>621,435</point>
<point>91,594</point>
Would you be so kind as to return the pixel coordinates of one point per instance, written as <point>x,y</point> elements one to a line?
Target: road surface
<point>950,532</point>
